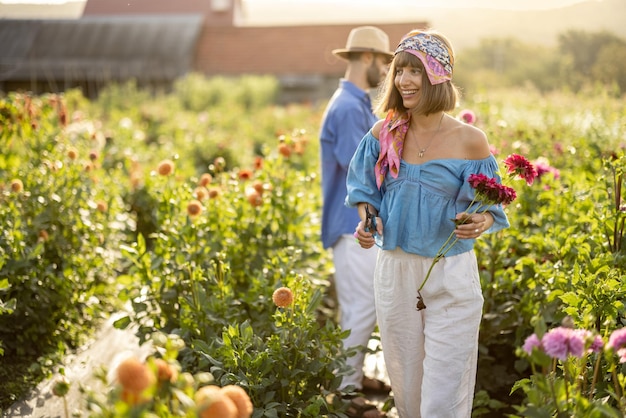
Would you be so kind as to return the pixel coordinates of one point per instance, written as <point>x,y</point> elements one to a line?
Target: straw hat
<point>365,39</point>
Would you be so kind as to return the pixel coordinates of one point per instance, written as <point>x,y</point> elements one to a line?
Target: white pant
<point>431,355</point>
<point>354,282</point>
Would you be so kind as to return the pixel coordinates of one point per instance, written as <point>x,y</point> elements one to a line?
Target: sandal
<point>360,408</point>
<point>375,386</point>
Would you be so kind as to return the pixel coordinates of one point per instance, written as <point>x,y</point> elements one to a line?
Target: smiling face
<point>409,78</point>
<point>408,81</point>
<point>407,87</point>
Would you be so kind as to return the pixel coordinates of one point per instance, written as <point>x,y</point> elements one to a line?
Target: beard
<point>373,75</point>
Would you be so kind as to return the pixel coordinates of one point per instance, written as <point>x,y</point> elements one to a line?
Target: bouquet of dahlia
<point>488,192</point>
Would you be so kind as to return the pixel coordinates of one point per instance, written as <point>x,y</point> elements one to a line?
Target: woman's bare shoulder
<point>377,127</point>
<point>475,142</point>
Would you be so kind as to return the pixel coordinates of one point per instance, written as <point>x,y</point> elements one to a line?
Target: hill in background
<point>464,26</point>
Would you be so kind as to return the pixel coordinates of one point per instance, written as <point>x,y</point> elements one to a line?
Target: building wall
<point>226,49</point>
<point>300,56</point>
<point>279,50</point>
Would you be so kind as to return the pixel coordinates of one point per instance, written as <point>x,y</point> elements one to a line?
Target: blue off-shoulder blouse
<point>418,207</point>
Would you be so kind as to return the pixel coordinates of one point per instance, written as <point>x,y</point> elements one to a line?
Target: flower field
<point>197,211</point>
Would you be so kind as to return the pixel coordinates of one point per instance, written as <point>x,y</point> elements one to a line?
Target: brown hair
<point>433,98</point>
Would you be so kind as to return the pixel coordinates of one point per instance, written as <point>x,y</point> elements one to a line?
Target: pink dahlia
<point>555,342</point>
<point>518,165</point>
<point>531,342</point>
<point>596,344</point>
<point>488,188</point>
<point>577,342</point>
<point>544,168</point>
<point>617,339</point>
<point>467,116</point>
<point>560,342</point>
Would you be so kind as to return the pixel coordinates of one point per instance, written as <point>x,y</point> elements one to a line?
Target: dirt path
<point>103,350</point>
<point>107,346</point>
<point>375,367</point>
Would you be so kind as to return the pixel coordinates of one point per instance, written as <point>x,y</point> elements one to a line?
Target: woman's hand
<point>474,225</point>
<point>366,238</point>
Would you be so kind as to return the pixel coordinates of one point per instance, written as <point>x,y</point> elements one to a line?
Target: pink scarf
<point>391,142</point>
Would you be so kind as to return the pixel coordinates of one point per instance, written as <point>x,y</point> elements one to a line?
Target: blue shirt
<point>418,207</point>
<point>346,120</point>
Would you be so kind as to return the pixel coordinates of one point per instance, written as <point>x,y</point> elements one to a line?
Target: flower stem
<point>447,246</point>
<point>553,392</point>
<point>566,383</point>
<point>67,412</point>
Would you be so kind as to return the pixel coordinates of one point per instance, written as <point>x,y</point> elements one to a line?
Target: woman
<point>411,172</point>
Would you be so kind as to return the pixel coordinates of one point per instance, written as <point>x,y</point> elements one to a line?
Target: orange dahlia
<point>17,185</point>
<point>212,403</point>
<point>284,150</point>
<point>102,206</point>
<point>282,297</point>
<point>133,375</point>
<point>214,192</point>
<point>205,179</point>
<point>240,398</point>
<point>43,235</point>
<point>254,197</point>
<point>194,208</point>
<point>165,371</point>
<point>258,186</point>
<point>166,167</point>
<point>200,193</point>
<point>72,153</point>
<point>245,174</point>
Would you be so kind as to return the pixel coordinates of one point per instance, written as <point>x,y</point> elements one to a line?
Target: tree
<point>582,50</point>
<point>610,65</point>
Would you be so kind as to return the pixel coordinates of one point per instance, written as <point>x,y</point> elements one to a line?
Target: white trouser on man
<point>354,283</point>
<point>430,355</point>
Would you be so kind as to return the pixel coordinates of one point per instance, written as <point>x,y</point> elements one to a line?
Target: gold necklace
<point>423,150</point>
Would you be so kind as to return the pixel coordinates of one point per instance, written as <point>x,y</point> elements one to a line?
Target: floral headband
<point>433,53</point>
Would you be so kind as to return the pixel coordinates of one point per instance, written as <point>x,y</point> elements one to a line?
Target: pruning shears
<point>371,220</point>
<point>370,225</point>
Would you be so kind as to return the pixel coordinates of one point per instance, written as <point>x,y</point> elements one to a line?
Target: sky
<point>496,4</point>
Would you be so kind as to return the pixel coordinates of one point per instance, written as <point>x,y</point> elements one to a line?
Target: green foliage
<point>60,262</point>
<point>58,240</point>
<point>237,125</point>
<point>289,369</point>
<point>197,93</point>
<point>585,48</point>
<point>588,382</point>
<point>171,393</point>
<point>208,276</point>
<point>559,257</point>
<point>581,60</point>
<point>58,244</point>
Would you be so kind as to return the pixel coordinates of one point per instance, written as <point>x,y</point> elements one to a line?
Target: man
<point>346,120</point>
